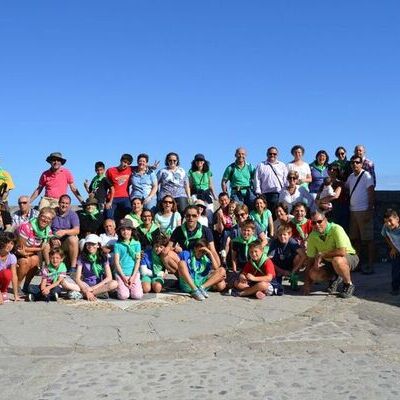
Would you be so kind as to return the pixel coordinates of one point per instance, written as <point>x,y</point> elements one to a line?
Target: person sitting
<point>90,218</point>
<point>108,239</point>
<point>282,216</point>
<point>262,216</point>
<point>301,226</point>
<point>8,267</point>
<point>136,213</point>
<point>168,218</point>
<point>24,213</point>
<point>148,231</point>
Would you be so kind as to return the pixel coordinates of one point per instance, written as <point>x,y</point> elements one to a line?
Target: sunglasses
<point>167,202</point>
<point>241,214</point>
<point>272,154</point>
<point>318,221</point>
<point>355,162</point>
<point>291,178</point>
<point>342,153</point>
<point>22,202</point>
<point>191,215</point>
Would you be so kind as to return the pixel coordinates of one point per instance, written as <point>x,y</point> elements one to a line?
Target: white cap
<point>92,238</point>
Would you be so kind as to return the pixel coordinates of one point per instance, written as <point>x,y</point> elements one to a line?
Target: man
<point>65,226</point>
<point>24,213</point>
<point>55,181</point>
<point>240,175</point>
<point>367,165</point>
<point>270,178</point>
<point>360,185</point>
<point>185,236</point>
<point>330,256</point>
<point>118,203</point>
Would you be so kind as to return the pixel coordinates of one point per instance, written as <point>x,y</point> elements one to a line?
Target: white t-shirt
<point>303,170</point>
<point>359,198</point>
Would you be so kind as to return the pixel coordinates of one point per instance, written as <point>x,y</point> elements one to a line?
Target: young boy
<point>99,186</point>
<point>257,274</point>
<point>391,233</point>
<point>199,270</point>
<point>240,245</point>
<point>287,255</point>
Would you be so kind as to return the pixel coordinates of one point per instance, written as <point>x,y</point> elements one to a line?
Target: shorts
<point>352,260</point>
<point>152,279</point>
<point>48,202</point>
<point>198,280</point>
<point>361,225</point>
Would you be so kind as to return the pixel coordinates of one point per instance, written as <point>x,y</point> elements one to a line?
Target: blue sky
<point>95,79</point>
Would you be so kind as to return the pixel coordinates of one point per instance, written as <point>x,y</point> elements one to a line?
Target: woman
<point>144,183</point>
<point>293,193</point>
<point>136,213</point>
<point>319,171</point>
<point>33,246</point>
<point>262,216</point>
<point>148,231</point>
<point>173,181</point>
<point>302,168</point>
<point>343,164</point>
<point>168,217</point>
<point>282,216</point>
<point>200,179</point>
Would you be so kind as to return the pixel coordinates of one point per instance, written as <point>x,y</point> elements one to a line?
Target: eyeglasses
<point>355,162</point>
<point>146,216</point>
<point>168,202</point>
<point>241,214</point>
<point>22,202</point>
<point>291,178</point>
<point>318,221</point>
<point>191,216</point>
<point>272,154</point>
<point>44,218</point>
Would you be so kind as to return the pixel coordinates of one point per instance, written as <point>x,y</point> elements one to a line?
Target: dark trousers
<point>272,200</point>
<point>396,273</point>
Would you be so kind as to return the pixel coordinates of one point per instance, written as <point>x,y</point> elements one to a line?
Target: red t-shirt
<point>267,268</point>
<point>119,179</point>
<point>56,183</point>
<point>306,229</point>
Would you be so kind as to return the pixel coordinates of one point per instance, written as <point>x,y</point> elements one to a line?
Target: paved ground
<point>171,346</point>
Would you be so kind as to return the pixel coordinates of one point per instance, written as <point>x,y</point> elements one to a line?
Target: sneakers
<point>6,299</point>
<point>197,295</point>
<point>348,290</point>
<point>54,296</point>
<point>75,295</point>
<point>334,285</point>
<point>203,292</point>
<point>30,297</point>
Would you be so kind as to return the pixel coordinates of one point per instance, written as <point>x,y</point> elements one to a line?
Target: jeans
<point>119,208</point>
<point>272,200</point>
<point>396,272</point>
<point>245,196</point>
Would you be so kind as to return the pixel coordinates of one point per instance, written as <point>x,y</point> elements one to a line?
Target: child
<point>93,274</point>
<point>301,226</point>
<point>262,216</point>
<point>53,276</point>
<point>127,261</point>
<point>287,255</point>
<point>391,233</point>
<point>199,270</point>
<point>99,186</point>
<point>8,267</point>
<point>326,192</point>
<point>257,274</point>
<point>152,268</point>
<point>240,245</point>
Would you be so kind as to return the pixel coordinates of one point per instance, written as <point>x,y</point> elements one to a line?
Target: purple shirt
<point>68,221</point>
<point>88,276</point>
<point>10,260</point>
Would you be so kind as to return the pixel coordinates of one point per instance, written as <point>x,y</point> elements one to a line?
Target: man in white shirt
<point>360,185</point>
<point>270,178</point>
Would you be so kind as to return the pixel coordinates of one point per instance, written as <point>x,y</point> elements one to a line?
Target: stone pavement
<point>170,346</point>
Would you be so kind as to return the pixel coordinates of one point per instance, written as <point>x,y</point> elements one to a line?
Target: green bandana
<point>157,263</point>
<point>92,215</point>
<point>135,217</point>
<point>197,234</point>
<point>262,219</point>
<point>198,265</point>
<point>3,176</point>
<point>298,227</point>
<point>328,228</point>
<point>246,243</point>
<point>148,232</point>
<point>43,234</point>
<point>320,168</point>
<point>96,265</point>
<point>96,181</point>
<point>54,272</point>
<point>131,248</point>
<point>258,265</point>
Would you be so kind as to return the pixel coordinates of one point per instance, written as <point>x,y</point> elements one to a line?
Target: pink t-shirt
<point>56,183</point>
<point>26,232</point>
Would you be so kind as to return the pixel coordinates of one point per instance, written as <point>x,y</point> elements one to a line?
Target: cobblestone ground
<point>279,348</point>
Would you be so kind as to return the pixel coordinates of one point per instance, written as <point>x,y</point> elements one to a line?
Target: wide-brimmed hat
<point>200,203</point>
<point>57,156</point>
<point>91,201</point>
<point>126,223</point>
<point>199,157</point>
<point>92,238</point>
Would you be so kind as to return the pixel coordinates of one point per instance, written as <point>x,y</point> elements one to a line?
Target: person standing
<point>367,165</point>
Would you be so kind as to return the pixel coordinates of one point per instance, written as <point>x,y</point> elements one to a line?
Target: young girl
<point>147,231</point>
<point>52,277</point>
<point>8,267</point>
<point>168,218</point>
<point>262,216</point>
<point>127,261</point>
<point>93,274</point>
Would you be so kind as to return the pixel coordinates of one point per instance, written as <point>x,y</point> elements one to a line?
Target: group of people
<point>274,221</point>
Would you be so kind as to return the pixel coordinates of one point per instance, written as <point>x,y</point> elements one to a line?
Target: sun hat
<point>92,238</point>
<point>56,155</point>
<point>126,223</point>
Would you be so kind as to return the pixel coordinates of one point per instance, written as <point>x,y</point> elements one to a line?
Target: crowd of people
<point>270,223</point>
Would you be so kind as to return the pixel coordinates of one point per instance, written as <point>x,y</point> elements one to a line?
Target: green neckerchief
<point>320,168</point>
<point>246,243</point>
<point>97,267</point>
<point>197,234</point>
<point>135,217</point>
<point>92,215</point>
<point>262,219</point>
<point>328,228</point>
<point>258,265</point>
<point>43,234</point>
<point>298,226</point>
<point>156,261</point>
<point>148,233</point>
<point>3,176</point>
<point>96,181</point>
<point>54,272</point>
<point>204,260</point>
<point>130,247</point>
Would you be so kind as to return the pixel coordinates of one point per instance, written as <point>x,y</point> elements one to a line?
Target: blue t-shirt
<point>195,268</point>
<point>127,259</point>
<point>142,184</point>
<point>393,235</point>
<point>283,254</point>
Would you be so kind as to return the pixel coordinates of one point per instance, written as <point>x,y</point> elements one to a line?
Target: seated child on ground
<point>8,267</point>
<point>200,271</point>
<point>240,245</point>
<point>257,275</point>
<point>93,274</point>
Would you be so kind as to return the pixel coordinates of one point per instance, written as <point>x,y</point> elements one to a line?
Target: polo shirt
<point>239,177</point>
<point>56,183</point>
<point>68,221</point>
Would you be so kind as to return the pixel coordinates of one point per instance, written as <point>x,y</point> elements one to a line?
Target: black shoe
<point>348,290</point>
<point>30,297</point>
<point>55,296</point>
<point>334,285</point>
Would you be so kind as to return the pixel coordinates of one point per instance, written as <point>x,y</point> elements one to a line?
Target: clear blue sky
<point>95,79</point>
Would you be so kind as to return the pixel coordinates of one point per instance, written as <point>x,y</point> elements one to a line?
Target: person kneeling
<point>257,275</point>
<point>199,270</point>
